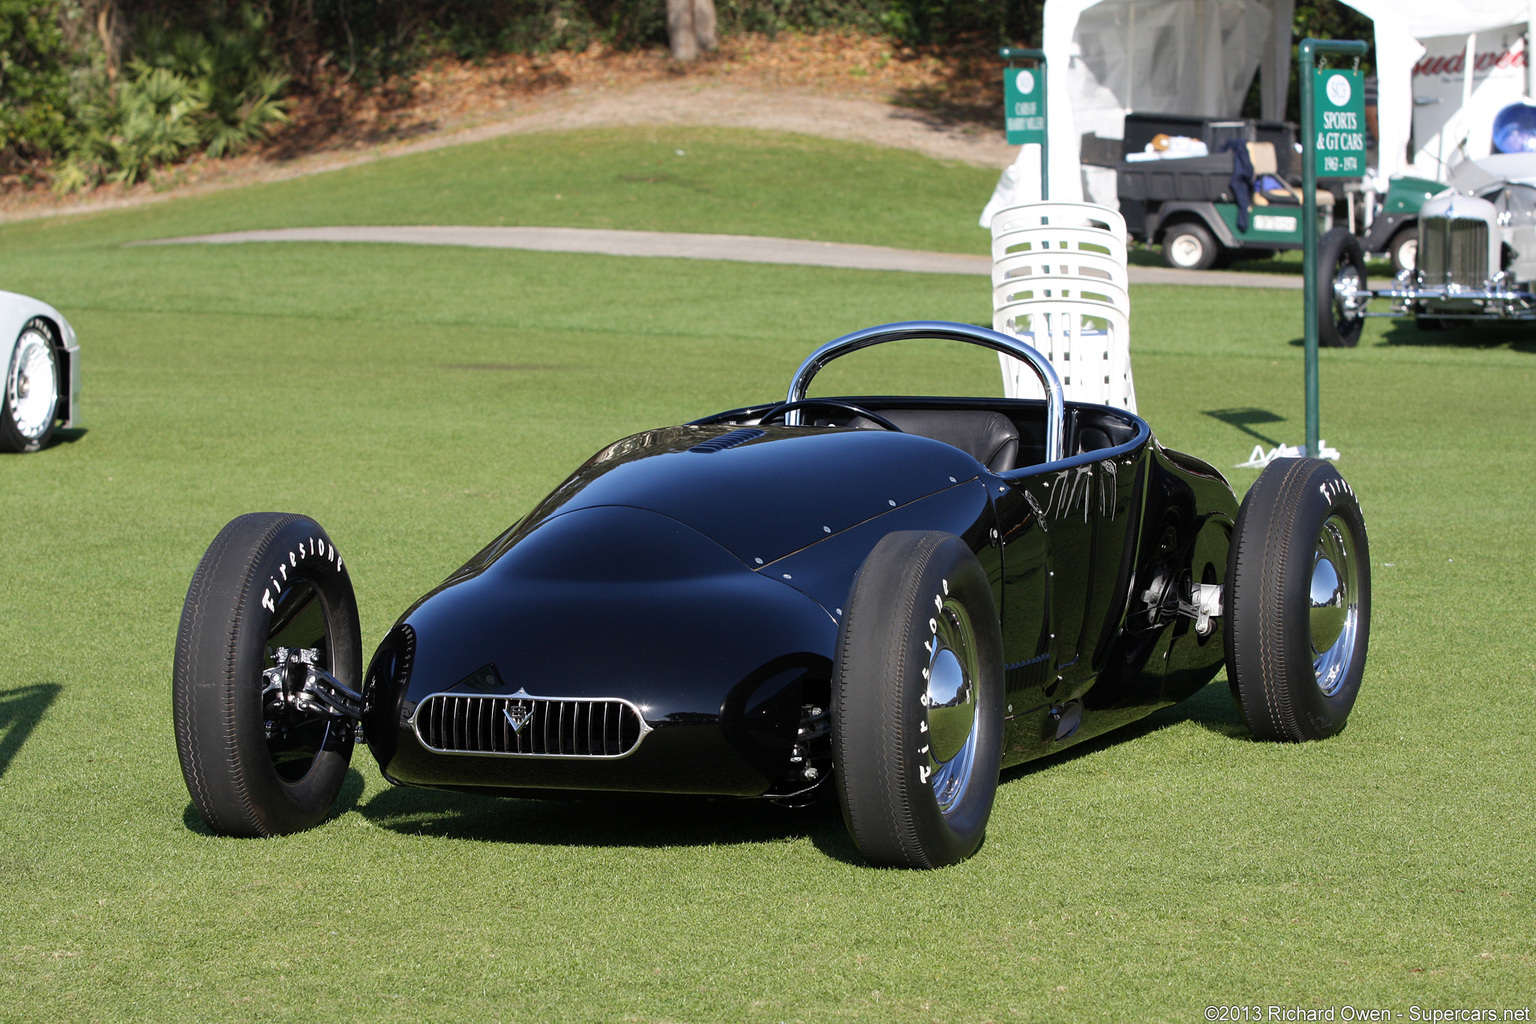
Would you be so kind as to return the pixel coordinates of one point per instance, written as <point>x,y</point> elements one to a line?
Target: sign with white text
<point>1339,131</point>
<point>1024,111</point>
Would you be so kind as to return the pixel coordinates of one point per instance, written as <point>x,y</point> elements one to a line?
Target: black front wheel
<point>270,599</point>
<point>1298,602</point>
<point>1340,279</point>
<point>917,716</point>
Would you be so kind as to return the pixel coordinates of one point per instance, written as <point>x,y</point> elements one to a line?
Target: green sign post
<point>1333,145</point>
<point>1024,106</point>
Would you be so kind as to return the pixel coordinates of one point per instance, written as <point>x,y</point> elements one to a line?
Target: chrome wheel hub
<point>1187,250</point>
<point>949,727</point>
<point>1346,290</point>
<point>32,392</point>
<point>1333,605</point>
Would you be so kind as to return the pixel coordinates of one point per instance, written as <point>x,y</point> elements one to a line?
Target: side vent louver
<point>724,441</point>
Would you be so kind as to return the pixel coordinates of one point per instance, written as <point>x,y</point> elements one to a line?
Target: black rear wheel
<point>917,716</point>
<point>1298,600</point>
<point>1340,277</point>
<point>258,759</point>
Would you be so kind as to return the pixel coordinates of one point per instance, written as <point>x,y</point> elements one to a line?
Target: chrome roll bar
<point>1055,405</point>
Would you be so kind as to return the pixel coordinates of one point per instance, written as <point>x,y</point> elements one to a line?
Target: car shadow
<point>351,792</point>
<point>21,709</point>
<point>1212,708</point>
<point>645,821</point>
<point>63,437</point>
<point>1513,335</point>
<point>632,821</point>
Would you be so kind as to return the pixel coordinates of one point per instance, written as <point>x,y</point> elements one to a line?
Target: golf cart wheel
<point>31,401</point>
<point>1340,275</point>
<point>1403,249</point>
<point>1189,246</point>
<point>1298,602</point>
<point>917,717</point>
<point>259,759</point>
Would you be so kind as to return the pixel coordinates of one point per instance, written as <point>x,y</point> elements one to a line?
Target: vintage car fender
<point>15,311</point>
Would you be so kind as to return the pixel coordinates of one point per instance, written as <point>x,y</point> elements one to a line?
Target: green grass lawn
<point>416,402</point>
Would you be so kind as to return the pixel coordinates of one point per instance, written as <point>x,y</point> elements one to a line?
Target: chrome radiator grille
<point>521,725</point>
<point>1453,251</point>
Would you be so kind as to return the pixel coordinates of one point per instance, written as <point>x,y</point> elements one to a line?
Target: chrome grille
<point>1453,251</point>
<point>526,726</point>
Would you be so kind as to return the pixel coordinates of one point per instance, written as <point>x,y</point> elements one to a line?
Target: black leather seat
<point>988,437</point>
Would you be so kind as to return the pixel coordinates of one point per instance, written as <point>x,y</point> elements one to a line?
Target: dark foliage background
<point>73,76</point>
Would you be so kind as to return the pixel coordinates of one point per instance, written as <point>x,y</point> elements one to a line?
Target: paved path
<point>738,248</point>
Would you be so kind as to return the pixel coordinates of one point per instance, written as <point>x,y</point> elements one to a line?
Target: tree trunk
<point>690,27</point>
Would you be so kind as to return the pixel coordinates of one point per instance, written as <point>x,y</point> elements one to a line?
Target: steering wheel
<point>831,403</point>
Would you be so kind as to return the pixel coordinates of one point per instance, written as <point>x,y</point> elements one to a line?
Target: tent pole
<point>1530,36</point>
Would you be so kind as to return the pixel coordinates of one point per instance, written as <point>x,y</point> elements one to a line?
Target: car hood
<point>761,493</point>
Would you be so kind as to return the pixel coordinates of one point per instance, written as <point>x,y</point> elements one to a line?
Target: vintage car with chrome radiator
<point>1475,261</point>
<point>880,600</point>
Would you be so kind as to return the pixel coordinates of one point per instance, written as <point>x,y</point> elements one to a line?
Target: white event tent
<point>1444,68</point>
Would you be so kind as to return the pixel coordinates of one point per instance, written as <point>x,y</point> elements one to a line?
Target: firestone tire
<point>1340,272</point>
<point>252,767</point>
<point>1298,602</point>
<point>917,717</point>
<point>29,399</point>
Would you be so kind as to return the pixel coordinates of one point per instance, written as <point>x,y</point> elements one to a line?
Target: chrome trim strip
<point>1055,414</point>
<point>497,711</point>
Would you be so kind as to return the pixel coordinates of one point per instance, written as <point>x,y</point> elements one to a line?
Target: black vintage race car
<point>886,598</point>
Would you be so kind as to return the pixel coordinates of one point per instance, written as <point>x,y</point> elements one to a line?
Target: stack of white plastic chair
<point>1059,282</point>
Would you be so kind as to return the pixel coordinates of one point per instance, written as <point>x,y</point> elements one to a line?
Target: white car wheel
<point>31,390</point>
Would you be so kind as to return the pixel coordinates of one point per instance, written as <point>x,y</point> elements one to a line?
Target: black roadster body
<point>889,598</point>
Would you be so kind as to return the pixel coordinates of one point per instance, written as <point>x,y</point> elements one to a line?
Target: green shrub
<point>217,92</point>
<point>234,74</point>
<point>34,80</point>
<point>123,133</point>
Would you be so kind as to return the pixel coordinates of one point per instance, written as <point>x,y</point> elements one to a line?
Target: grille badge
<point>517,714</point>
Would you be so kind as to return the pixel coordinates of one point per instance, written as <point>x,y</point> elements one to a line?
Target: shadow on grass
<point>1212,708</point>
<point>1244,419</point>
<point>20,711</point>
<point>644,821</point>
<point>627,821</point>
<point>1407,333</point>
<point>351,792</point>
